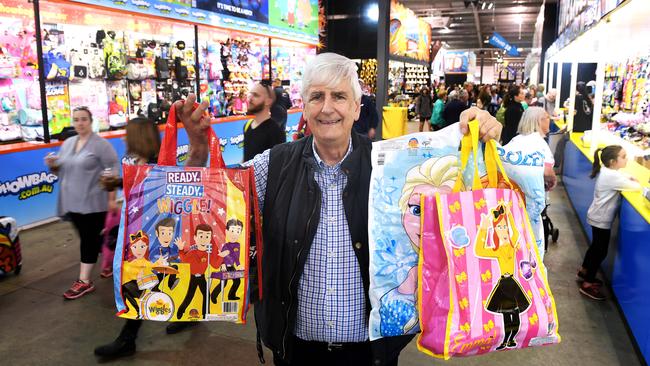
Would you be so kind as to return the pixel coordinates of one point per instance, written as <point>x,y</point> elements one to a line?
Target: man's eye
<point>315,97</point>
<point>414,210</point>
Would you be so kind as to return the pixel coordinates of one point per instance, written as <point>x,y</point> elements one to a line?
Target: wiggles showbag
<point>183,249</point>
<point>483,286</point>
<point>403,169</point>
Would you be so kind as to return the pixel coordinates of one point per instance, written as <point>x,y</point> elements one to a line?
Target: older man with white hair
<point>313,194</point>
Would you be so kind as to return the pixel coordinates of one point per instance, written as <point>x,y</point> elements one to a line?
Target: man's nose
<point>328,104</point>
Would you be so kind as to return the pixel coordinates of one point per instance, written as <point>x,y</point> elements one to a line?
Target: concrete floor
<point>40,328</point>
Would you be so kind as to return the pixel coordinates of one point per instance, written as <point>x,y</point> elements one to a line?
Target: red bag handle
<point>167,154</point>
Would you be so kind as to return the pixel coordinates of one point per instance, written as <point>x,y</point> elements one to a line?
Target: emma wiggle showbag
<point>183,248</point>
<point>482,287</point>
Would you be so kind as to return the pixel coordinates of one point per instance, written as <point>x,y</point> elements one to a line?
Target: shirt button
<point>358,245</point>
<point>330,324</point>
<point>330,291</point>
<point>330,253</point>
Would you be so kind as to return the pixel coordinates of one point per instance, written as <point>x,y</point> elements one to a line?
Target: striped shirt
<point>331,299</point>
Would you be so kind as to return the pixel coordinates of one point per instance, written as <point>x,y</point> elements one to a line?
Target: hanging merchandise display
<point>368,74</point>
<point>288,61</point>
<point>626,101</point>
<point>416,77</point>
<point>20,108</point>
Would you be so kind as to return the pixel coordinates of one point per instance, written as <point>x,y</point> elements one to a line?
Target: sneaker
<point>106,272</point>
<point>581,278</point>
<point>78,289</point>
<point>177,327</point>
<point>592,291</point>
<point>117,348</point>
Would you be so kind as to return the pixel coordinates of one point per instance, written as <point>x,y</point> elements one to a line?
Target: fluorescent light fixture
<point>490,6</point>
<point>520,49</point>
<point>486,41</point>
<point>483,6</point>
<point>445,30</point>
<point>519,19</point>
<point>372,12</point>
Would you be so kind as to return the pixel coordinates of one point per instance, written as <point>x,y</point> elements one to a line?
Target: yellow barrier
<point>394,122</point>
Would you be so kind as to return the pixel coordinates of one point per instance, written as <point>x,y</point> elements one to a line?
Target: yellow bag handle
<point>468,144</point>
<point>493,165</point>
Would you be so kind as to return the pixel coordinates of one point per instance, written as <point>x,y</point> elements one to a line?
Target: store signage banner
<point>409,36</point>
<point>28,191</point>
<point>294,19</point>
<point>498,41</point>
<point>456,62</point>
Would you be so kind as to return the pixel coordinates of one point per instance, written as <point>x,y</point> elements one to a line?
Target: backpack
<point>96,69</point>
<point>180,69</point>
<point>154,112</point>
<point>115,58</point>
<point>55,66</point>
<point>162,68</point>
<point>501,115</point>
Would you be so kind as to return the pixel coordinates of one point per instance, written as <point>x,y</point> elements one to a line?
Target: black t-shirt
<point>264,136</point>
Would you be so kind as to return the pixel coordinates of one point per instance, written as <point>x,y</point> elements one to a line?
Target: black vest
<point>290,219</point>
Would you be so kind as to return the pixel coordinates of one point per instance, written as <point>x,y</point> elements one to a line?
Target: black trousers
<point>196,282</point>
<point>597,252</point>
<point>233,288</point>
<point>89,226</point>
<point>307,353</point>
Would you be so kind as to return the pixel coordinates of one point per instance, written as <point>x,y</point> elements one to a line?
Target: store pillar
<point>558,85</point>
<point>598,100</point>
<point>382,60</point>
<point>572,95</point>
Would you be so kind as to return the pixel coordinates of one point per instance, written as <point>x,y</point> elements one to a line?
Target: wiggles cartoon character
<point>137,274</point>
<point>507,297</point>
<point>434,175</point>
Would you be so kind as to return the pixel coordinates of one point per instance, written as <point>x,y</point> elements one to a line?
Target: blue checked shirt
<point>331,299</point>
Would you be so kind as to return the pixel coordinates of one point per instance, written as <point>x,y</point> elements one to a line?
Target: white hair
<point>529,122</point>
<point>330,69</point>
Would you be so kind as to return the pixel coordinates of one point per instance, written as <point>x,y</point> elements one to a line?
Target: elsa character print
<point>397,309</point>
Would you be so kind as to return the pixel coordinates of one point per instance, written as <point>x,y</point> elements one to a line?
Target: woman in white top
<point>607,198</point>
<point>529,162</point>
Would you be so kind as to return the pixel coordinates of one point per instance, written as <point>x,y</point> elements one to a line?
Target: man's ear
<point>357,110</point>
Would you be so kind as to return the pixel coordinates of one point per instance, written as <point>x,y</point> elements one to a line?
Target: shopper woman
<point>240,104</point>
<point>79,165</point>
<point>437,121</point>
<point>607,198</point>
<point>513,112</point>
<point>142,146</point>
<point>423,105</point>
<point>533,177</point>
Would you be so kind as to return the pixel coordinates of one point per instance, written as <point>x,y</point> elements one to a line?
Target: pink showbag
<point>483,287</point>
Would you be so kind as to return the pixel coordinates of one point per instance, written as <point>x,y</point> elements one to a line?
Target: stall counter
<point>28,191</point>
<point>394,122</point>
<point>628,264</point>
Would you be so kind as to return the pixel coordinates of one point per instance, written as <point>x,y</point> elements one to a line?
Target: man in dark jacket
<point>313,194</point>
<point>368,119</point>
<point>281,105</point>
<point>454,107</point>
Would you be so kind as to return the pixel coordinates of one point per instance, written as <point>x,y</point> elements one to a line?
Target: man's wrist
<point>197,156</point>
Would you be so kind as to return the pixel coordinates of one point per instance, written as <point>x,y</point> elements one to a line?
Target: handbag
<point>483,287</point>
<point>182,252</point>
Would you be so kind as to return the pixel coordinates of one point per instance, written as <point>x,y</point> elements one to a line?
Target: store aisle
<point>39,327</point>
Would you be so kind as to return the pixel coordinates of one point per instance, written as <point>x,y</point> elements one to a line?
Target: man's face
<point>521,96</point>
<point>233,232</point>
<point>331,112</point>
<point>202,239</point>
<point>258,98</point>
<point>165,235</point>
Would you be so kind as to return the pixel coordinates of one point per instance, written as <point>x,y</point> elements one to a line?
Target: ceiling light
<point>486,41</point>
<point>445,30</point>
<point>483,6</point>
<point>519,19</point>
<point>372,12</point>
<point>490,6</point>
<point>520,49</point>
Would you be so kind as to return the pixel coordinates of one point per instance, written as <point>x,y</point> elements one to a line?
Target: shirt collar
<point>320,161</point>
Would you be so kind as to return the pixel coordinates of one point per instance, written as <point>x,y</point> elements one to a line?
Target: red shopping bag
<point>183,248</point>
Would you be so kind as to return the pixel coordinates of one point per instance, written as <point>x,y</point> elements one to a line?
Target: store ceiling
<point>469,26</point>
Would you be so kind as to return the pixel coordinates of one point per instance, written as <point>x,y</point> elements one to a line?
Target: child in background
<point>607,198</point>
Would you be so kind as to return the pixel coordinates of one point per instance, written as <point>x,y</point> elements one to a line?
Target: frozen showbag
<point>183,247</point>
<point>403,169</point>
<point>483,287</point>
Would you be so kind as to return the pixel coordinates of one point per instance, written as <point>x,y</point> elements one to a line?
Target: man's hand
<point>196,121</point>
<point>371,133</point>
<point>489,127</point>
